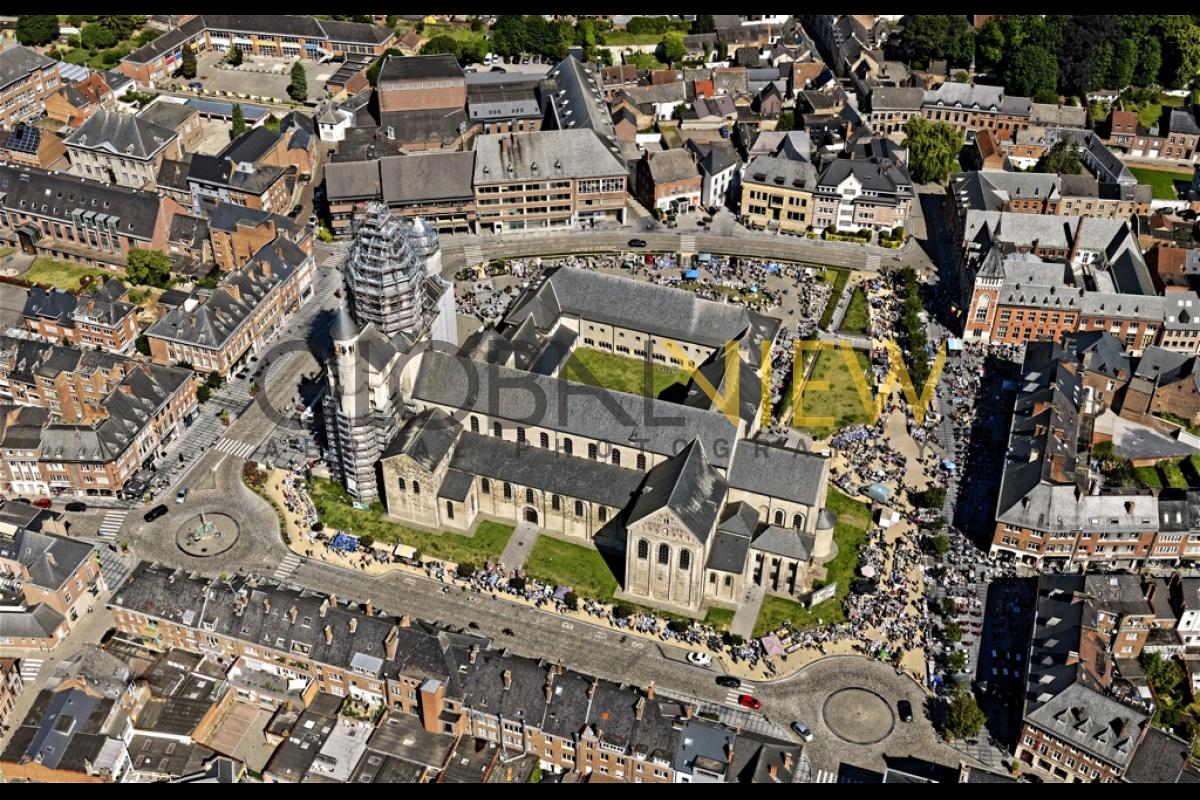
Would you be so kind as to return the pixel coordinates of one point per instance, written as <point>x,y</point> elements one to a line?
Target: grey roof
<point>534,467</point>
<point>426,438</point>
<point>688,486</point>
<point>900,98</point>
<point>1057,115</point>
<point>977,96</point>
<point>577,101</point>
<point>783,172</point>
<point>66,198</point>
<point>670,166</point>
<point>543,155</point>
<point>728,553</point>
<point>882,180</point>
<point>713,158</point>
<point>18,62</point>
<point>1161,758</point>
<point>441,66</point>
<point>657,310</point>
<point>62,731</point>
<point>167,115</point>
<point>455,486</point>
<point>38,622</point>
<point>49,560</point>
<point>122,134</point>
<point>251,145</point>
<point>301,26</point>
<point>786,542</point>
<point>780,472</point>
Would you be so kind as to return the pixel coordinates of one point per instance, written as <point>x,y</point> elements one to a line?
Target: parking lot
<point>264,79</point>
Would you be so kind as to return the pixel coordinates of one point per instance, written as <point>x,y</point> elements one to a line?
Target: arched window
<point>685,559</point>
<point>474,424</point>
<point>616,457</point>
<point>529,495</point>
<point>981,310</point>
<point>603,514</point>
<point>403,486</point>
<point>641,462</point>
<point>416,488</point>
<point>520,436</point>
<point>555,502</point>
<point>497,430</point>
<point>485,486</point>
<point>544,438</point>
<point>579,508</point>
<point>643,549</point>
<point>592,451</point>
<point>567,446</point>
<point>449,510</point>
<point>797,520</point>
<point>507,491</point>
<point>664,554</point>
<point>778,517</point>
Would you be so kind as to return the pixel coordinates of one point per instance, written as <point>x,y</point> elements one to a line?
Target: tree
<point>933,149</point>
<point>122,26</point>
<point>1031,69</point>
<point>1085,51</point>
<point>704,23</point>
<point>956,661</point>
<point>298,88</point>
<point>941,544</point>
<point>1149,62</point>
<point>146,267</point>
<point>187,65</point>
<point>964,718</point>
<point>235,57</point>
<point>37,29</point>
<point>953,632</point>
<point>95,37</point>
<point>238,125</point>
<point>1181,50</point>
<point>786,121</point>
<point>672,48</point>
<point>989,46</point>
<point>931,36</point>
<point>1061,159</point>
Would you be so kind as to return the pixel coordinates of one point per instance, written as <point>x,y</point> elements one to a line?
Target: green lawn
<point>62,275</point>
<point>562,563</point>
<point>841,400</point>
<point>719,618</point>
<point>1161,181</point>
<point>854,519</point>
<point>622,374</point>
<point>838,279</point>
<point>1173,475</point>
<point>335,510</point>
<point>1149,477</point>
<point>855,320</point>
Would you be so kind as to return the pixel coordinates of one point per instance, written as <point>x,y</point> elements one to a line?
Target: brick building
<point>27,79</point>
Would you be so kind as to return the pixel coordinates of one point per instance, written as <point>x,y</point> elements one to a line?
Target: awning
<point>771,645</point>
<point>691,274</point>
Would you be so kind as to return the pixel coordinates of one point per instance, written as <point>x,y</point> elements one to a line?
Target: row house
<point>668,181</point>
<point>100,320</point>
<point>274,36</point>
<point>57,572</point>
<point>236,233</point>
<point>27,79</point>
<point>215,329</point>
<point>1176,139</point>
<point>80,221</point>
<point>871,190</point>
<point>435,186</point>
<point>968,107</point>
<point>30,146</point>
<point>68,381</point>
<point>777,193</point>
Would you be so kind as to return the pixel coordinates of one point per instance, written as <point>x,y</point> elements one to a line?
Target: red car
<point>42,502</point>
<point>749,701</point>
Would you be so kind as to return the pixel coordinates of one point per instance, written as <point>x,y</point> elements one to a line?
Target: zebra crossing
<point>872,264</point>
<point>473,253</point>
<point>286,567</point>
<point>29,669</point>
<point>110,526</point>
<point>731,697</point>
<point>687,242</point>
<point>236,448</point>
<point>825,776</point>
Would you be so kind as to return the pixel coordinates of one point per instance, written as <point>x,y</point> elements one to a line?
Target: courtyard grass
<point>837,278</point>
<point>855,320</point>
<point>854,520</point>
<point>841,401</point>
<point>719,618</point>
<point>560,563</point>
<point>619,373</point>
<point>63,275</point>
<point>1161,181</point>
<point>335,510</point>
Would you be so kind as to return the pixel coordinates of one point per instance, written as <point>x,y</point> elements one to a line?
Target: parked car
<point>802,730</point>
<point>76,506</point>
<point>155,513</point>
<point>729,682</point>
<point>637,242</point>
<point>197,85</point>
<point>905,709</point>
<point>42,502</point>
<point>699,659</point>
<point>181,495</point>
<point>749,701</point>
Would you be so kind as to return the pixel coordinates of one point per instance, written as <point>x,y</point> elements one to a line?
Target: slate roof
<point>301,26</point>
<point>167,115</point>
<point>577,101</point>
<point>404,180</point>
<point>48,559</point>
<point>420,68</point>
<point>782,172</point>
<point>671,166</point>
<point>713,158</point>
<point>426,438</point>
<point>62,731</point>
<point>688,486</point>
<point>250,146</point>
<point>121,134</point>
<point>786,542</point>
<point>18,62</point>
<point>61,196</point>
<point>543,155</point>
<point>38,622</point>
<point>780,472</point>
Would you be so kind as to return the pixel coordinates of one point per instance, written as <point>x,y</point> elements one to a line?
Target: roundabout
<point>208,534</point>
<point>858,716</point>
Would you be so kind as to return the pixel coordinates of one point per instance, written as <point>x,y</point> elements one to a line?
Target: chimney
<point>324,607</point>
<point>640,709</point>
<point>406,621</point>
<point>474,654</point>
<point>292,614</point>
<point>370,608</point>
<point>507,679</point>
<point>549,687</point>
<point>774,771</point>
<point>391,643</point>
<point>333,599</point>
<point>787,760</point>
<point>266,604</point>
<point>353,624</point>
<point>689,710</point>
<point>592,688</point>
<point>729,750</point>
<point>650,691</point>
<point>328,634</point>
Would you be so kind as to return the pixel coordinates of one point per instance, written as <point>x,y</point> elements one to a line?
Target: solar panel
<point>24,139</point>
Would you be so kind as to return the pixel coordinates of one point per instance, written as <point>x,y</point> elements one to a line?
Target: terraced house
<point>80,221</point>
<point>275,36</point>
<point>455,685</point>
<point>100,320</point>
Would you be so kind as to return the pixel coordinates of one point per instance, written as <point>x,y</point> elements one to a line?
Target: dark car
<point>637,242</point>
<point>729,682</point>
<point>905,709</point>
<point>76,505</point>
<point>155,513</point>
<point>499,69</point>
